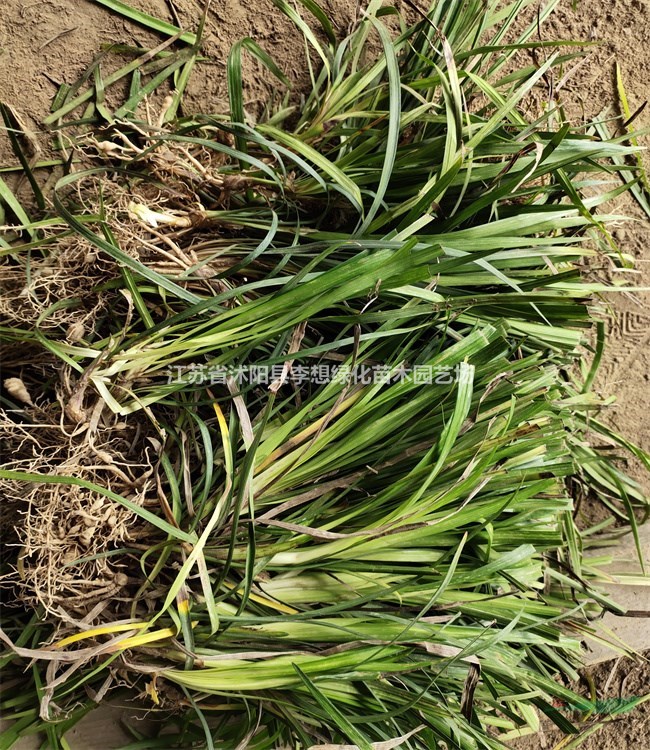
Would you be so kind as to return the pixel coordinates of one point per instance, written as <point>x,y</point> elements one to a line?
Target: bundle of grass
<point>354,330</point>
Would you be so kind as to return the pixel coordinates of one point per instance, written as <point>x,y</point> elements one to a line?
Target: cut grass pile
<point>297,410</point>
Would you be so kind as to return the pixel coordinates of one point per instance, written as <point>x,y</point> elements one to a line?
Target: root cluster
<point>68,546</point>
<point>58,289</point>
<point>71,542</point>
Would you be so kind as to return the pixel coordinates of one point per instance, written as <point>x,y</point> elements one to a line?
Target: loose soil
<point>44,43</point>
<point>610,687</point>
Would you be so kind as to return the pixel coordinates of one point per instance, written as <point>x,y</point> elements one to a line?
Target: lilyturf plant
<point>298,408</point>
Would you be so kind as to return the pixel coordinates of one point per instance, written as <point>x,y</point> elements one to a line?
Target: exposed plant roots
<point>60,529</point>
<point>67,544</point>
<point>59,290</point>
<point>65,285</point>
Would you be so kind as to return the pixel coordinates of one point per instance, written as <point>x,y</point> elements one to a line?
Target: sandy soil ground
<point>46,42</point>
